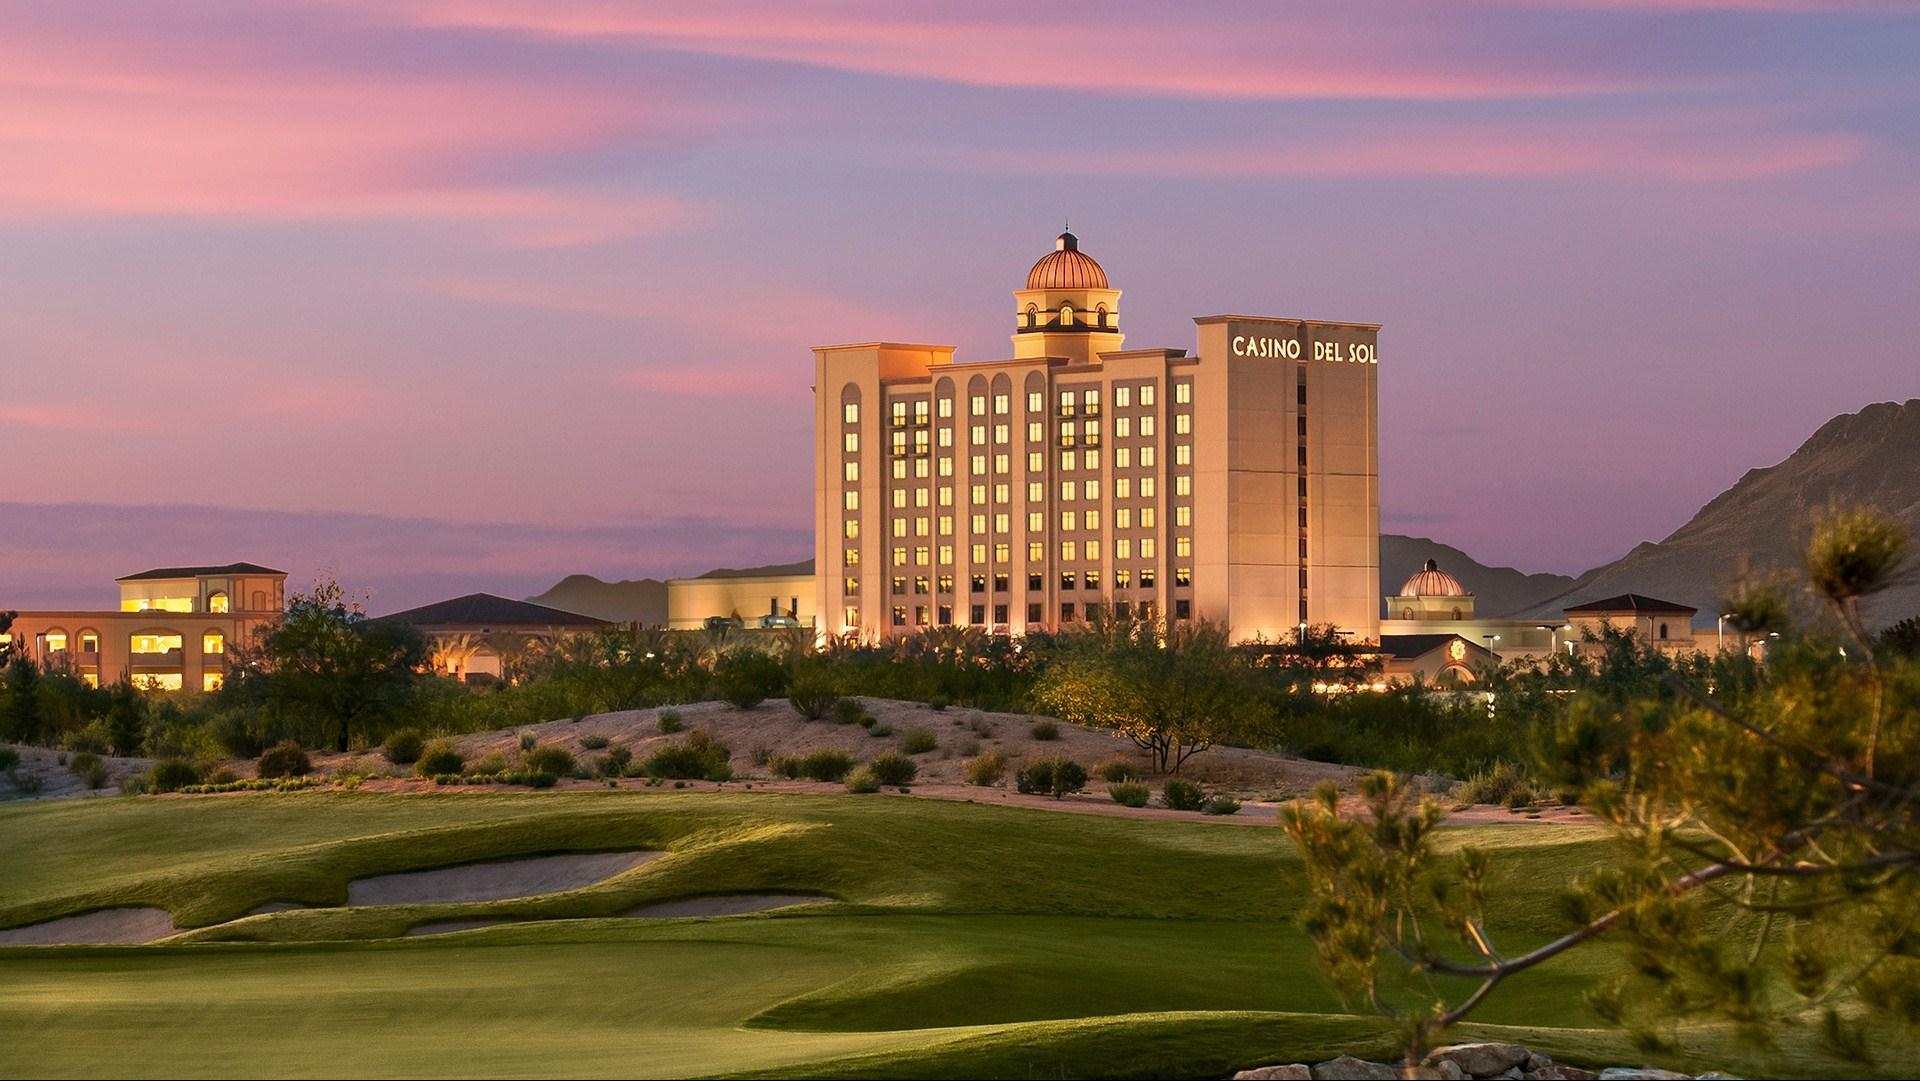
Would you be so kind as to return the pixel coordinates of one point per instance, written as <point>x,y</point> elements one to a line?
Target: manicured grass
<point>968,941</point>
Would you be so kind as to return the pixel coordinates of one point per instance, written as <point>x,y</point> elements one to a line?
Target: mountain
<point>1872,456</point>
<point>639,600</point>
<point>1497,591</point>
<point>771,570</point>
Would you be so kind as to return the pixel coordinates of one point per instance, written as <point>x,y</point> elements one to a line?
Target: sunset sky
<point>448,296</point>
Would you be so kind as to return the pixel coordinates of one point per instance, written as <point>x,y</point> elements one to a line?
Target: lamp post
<point>1720,627</point>
<point>1492,647</point>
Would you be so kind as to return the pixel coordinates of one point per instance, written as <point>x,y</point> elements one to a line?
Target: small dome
<point>1432,582</point>
<point>1066,267</point>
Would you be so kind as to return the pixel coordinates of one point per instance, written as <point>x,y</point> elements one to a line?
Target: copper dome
<point>1066,267</point>
<point>1432,582</point>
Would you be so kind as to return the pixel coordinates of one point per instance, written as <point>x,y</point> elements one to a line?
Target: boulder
<point>1481,1059</point>
<point>1293,1072</point>
<point>1348,1068</point>
<point>1448,1070</point>
<point>1643,1073</point>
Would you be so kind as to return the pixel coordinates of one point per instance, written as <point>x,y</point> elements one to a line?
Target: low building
<point>764,601</point>
<point>473,635</point>
<point>174,629</point>
<point>1664,625</point>
<point>1433,602</point>
<point>1436,660</point>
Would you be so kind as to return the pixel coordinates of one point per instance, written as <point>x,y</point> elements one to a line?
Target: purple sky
<point>555,266</point>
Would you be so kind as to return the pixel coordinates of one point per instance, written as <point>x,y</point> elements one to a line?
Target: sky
<point>447,296</point>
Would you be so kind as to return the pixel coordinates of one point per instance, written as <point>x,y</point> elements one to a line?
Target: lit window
<point>158,681</point>
<point>1122,457</point>
<point>1122,397</point>
<point>1146,425</point>
<point>211,681</point>
<point>852,528</point>
<point>850,412</point>
<point>1093,519</point>
<point>1066,315</point>
<point>1090,489</point>
<point>1034,462</point>
<point>1000,523</point>
<point>1123,426</point>
<point>1146,517</point>
<point>1000,405</point>
<point>978,405</point>
<point>1146,394</point>
<point>1123,518</point>
<point>851,557</point>
<point>1183,454</point>
<point>851,617</point>
<point>1146,487</point>
<point>1182,423</point>
<point>850,443</point>
<point>1035,403</point>
<point>1182,547</point>
<point>213,642</point>
<point>1183,485</point>
<point>852,499</point>
<point>1146,547</point>
<point>89,642</point>
<point>946,408</point>
<point>1146,457</point>
<point>852,472</point>
<point>1183,392</point>
<point>1122,549</point>
<point>56,641</point>
<point>217,602</point>
<point>156,643</point>
<point>1183,515</point>
<point>1069,519</point>
<point>1122,487</point>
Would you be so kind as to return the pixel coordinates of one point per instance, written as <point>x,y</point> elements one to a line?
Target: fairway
<point>963,941</point>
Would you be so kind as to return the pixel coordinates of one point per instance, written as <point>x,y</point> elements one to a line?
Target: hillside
<point>1872,456</point>
<point>639,600</point>
<point>1497,591</point>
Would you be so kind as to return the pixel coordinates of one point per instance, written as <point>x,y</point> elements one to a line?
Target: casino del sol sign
<point>1247,345</point>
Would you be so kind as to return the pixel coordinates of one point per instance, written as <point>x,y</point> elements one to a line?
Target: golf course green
<point>961,941</point>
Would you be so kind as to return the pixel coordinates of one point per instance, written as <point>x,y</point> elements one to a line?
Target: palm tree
<point>453,652</point>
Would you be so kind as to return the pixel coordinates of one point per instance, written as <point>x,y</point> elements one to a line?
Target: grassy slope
<point>970,941</point>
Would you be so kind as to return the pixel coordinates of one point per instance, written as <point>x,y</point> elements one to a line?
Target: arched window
<point>1406,613</point>
<point>1066,315</point>
<point>89,641</point>
<point>1100,316</point>
<point>1456,614</point>
<point>1033,315</point>
<point>1663,632</point>
<point>217,602</point>
<point>259,600</point>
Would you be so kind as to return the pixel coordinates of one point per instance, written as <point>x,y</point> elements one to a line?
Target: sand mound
<point>494,881</point>
<point>109,926</point>
<point>441,927</point>
<point>726,905</point>
<point>275,906</point>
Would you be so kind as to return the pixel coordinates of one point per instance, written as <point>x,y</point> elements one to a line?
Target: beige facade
<point>1077,477</point>
<point>774,600</point>
<point>173,630</point>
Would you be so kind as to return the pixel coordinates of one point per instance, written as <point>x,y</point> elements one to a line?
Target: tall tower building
<point>1078,477</point>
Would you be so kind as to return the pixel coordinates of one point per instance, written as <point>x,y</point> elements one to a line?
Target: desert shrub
<point>285,759</point>
<point>744,677</point>
<point>826,765</point>
<point>440,757</point>
<point>1116,771</point>
<point>548,758</point>
<point>1220,805</point>
<point>851,711</point>
<point>811,696</point>
<point>540,779</point>
<point>491,762</point>
<point>528,741</point>
<point>22,781</point>
<point>938,702</point>
<point>96,775</point>
<point>614,763</point>
<point>1044,731</point>
<point>93,738</point>
<point>670,722</point>
<point>894,768</point>
<point>1182,795</point>
<point>698,757</point>
<point>1499,784</point>
<point>594,743</point>
<point>986,770</point>
<point>403,746</point>
<point>9,758</point>
<point>880,731</point>
<point>222,775</point>
<point>783,765</point>
<point>1051,777</point>
<point>920,741</point>
<point>1130,793</point>
<point>171,775</point>
<point>862,781</point>
<point>83,762</point>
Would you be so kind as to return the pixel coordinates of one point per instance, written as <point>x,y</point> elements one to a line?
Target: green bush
<point>9,758</point>
<point>880,731</point>
<point>491,762</point>
<point>285,759</point>
<point>920,741</point>
<point>440,757</point>
<point>851,711</point>
<point>540,779</point>
<point>403,747</point>
<point>862,781</point>
<point>894,768</point>
<point>826,765</point>
<point>548,758</point>
<point>744,677</point>
<point>1504,783</point>
<point>670,722</point>
<point>1130,793</point>
<point>92,738</point>
<point>1116,771</point>
<point>938,702</point>
<point>1182,795</point>
<point>698,757</point>
<point>614,763</point>
<point>986,770</point>
<point>96,775</point>
<point>81,764</point>
<point>1044,731</point>
<point>528,741</point>
<point>811,696</point>
<point>594,743</point>
<point>784,765</point>
<point>1221,805</point>
<point>171,775</point>
<point>1051,777</point>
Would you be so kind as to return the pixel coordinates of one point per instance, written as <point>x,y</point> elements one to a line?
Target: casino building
<point>1238,483</point>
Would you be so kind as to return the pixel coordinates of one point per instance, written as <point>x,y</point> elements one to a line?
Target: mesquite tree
<point>1768,839</point>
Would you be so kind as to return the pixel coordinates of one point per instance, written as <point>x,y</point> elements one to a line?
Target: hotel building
<point>1078,477</point>
<point>174,628</point>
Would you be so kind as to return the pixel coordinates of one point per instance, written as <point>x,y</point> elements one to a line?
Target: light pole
<point>1720,627</point>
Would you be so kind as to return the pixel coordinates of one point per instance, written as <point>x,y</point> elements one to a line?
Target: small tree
<point>126,717</point>
<point>1769,835</point>
<point>20,720</point>
<point>330,662</point>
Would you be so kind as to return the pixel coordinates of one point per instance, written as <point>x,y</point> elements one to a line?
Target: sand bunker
<point>274,906</point>
<point>494,881</point>
<point>441,927</point>
<point>728,905</point>
<point>107,927</point>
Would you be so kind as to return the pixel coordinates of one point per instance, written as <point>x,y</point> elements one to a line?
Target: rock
<point>1644,1073</point>
<point>1575,1073</point>
<point>1348,1068</point>
<point>1545,1073</point>
<point>1511,1073</point>
<point>1481,1059</point>
<point>1537,1061</point>
<point>1449,1070</point>
<point>1293,1072</point>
